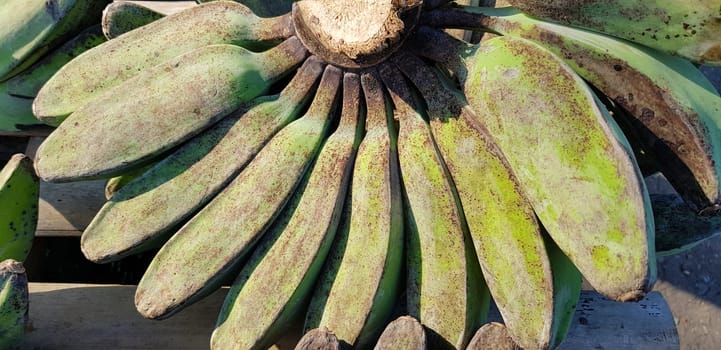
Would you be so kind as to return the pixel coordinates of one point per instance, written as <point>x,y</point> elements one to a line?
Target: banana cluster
<point>426,182</point>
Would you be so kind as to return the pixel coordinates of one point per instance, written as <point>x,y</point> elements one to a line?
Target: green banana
<point>676,112</point>
<point>113,185</point>
<point>404,333</point>
<point>210,246</point>
<point>121,17</point>
<point>13,304</point>
<point>445,289</point>
<point>89,76</point>
<point>690,29</point>
<point>152,205</point>
<point>361,282</point>
<point>28,83</point>
<point>15,112</point>
<point>578,174</point>
<point>33,27</point>
<point>19,191</point>
<point>528,283</point>
<point>264,8</point>
<point>308,234</point>
<point>213,81</point>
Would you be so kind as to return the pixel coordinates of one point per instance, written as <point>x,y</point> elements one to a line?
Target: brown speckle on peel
<point>712,54</point>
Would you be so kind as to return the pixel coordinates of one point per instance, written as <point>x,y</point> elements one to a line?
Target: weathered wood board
<point>75,316</point>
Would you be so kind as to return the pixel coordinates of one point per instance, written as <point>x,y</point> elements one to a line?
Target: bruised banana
<point>360,284</point>
<point>676,112</point>
<point>13,304</point>
<point>144,117</point>
<point>151,206</point>
<point>90,75</point>
<point>574,165</point>
<point>689,29</point>
<point>30,28</point>
<point>19,191</point>
<point>445,289</point>
<point>308,233</point>
<point>210,246</point>
<point>534,288</point>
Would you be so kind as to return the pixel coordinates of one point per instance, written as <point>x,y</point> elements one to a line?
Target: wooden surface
<point>66,209</point>
<point>74,316</point>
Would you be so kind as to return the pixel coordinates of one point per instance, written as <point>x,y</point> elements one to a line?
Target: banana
<point>532,287</point>
<point>307,234</point>
<point>574,165</point>
<point>690,29</point>
<point>675,111</point>
<point>404,333</point>
<point>113,185</point>
<point>151,206</point>
<point>214,81</point>
<point>445,289</point>
<point>32,27</point>
<point>90,75</point>
<point>13,304</point>
<point>358,291</point>
<point>264,8</point>
<point>19,191</point>
<point>28,83</point>
<point>15,112</point>
<point>211,245</point>
<point>121,17</point>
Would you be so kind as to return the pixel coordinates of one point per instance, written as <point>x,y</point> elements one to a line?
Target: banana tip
<point>634,295</point>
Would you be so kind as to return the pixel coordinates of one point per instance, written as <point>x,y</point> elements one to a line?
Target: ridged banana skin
<point>13,304</point>
<point>690,29</point>
<point>15,112</point>
<point>19,192</point>
<point>29,82</point>
<point>159,109</point>
<point>121,17</point>
<point>32,27</point>
<point>360,285</point>
<point>301,247</point>
<point>677,112</point>
<point>578,175</point>
<point>154,204</point>
<point>445,289</point>
<point>98,70</point>
<point>508,239</point>
<point>209,246</point>
<point>264,8</point>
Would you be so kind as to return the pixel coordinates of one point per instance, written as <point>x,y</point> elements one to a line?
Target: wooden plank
<point>75,316</point>
<point>66,209</point>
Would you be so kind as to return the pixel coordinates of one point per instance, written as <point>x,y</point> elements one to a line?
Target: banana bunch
<point>343,163</point>
<point>37,37</point>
